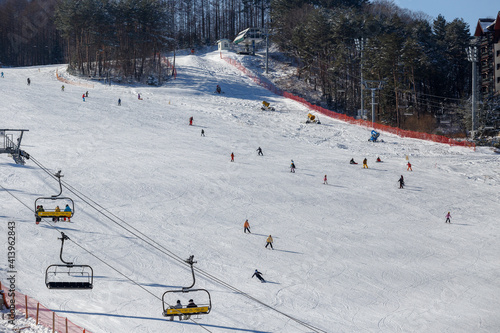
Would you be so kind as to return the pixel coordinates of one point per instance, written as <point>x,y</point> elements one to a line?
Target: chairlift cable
<point>101,260</point>
<point>161,248</point>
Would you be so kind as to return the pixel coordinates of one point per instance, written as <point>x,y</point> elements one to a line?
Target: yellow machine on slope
<point>312,119</point>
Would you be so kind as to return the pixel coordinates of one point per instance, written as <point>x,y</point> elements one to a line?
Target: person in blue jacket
<point>67,209</point>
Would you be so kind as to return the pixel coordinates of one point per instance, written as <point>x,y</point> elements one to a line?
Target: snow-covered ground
<point>356,255</point>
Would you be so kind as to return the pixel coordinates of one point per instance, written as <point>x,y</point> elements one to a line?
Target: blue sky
<point>469,10</point>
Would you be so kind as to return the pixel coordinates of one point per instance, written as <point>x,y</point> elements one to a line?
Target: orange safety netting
<point>79,84</point>
<point>46,317</point>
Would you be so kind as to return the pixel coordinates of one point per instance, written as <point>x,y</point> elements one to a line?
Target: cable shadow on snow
<point>287,251</point>
<point>160,319</point>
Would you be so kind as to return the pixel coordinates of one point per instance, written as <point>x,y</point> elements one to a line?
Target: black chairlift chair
<point>69,275</point>
<point>52,213</point>
<point>200,309</point>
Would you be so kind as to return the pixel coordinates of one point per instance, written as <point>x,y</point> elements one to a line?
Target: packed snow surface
<point>356,255</point>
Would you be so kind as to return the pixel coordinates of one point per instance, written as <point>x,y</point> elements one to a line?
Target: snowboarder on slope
<point>378,159</point>
<point>218,89</point>
<point>401,182</point>
<point>365,165</point>
<point>2,75</point>
<point>352,161</point>
<point>232,157</point>
<point>259,276</point>
<point>202,132</point>
<point>259,152</point>
<point>448,218</point>
<point>409,167</point>
<point>246,227</point>
<point>269,241</point>
<point>325,181</point>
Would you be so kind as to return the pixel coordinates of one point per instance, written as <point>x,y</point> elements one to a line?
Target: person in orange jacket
<point>409,167</point>
<point>246,225</point>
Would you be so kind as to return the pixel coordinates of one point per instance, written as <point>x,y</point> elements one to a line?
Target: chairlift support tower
<point>373,86</point>
<point>12,146</point>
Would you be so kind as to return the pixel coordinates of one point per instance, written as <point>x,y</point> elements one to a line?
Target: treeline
<point>121,37</point>
<point>422,64</point>
<point>28,35</point>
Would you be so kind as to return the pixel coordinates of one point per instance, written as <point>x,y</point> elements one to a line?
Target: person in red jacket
<point>232,157</point>
<point>325,181</point>
<point>409,167</point>
<point>190,120</point>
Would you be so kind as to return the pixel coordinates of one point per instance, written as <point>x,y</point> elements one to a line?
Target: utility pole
<point>373,86</point>
<point>360,45</point>
<point>472,56</point>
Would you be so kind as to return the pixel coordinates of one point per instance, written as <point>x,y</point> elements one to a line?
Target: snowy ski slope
<point>356,255</point>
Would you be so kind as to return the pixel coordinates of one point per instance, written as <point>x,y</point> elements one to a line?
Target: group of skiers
<point>269,242</point>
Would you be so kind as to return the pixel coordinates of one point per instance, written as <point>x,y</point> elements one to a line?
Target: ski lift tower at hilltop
<point>246,40</point>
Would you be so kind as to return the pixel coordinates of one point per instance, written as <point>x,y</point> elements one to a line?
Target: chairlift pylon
<point>200,309</point>
<point>68,275</point>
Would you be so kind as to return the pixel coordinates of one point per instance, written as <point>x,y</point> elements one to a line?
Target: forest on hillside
<point>416,65</point>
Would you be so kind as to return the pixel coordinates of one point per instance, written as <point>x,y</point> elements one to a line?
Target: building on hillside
<point>488,38</point>
<point>247,40</point>
<point>224,44</point>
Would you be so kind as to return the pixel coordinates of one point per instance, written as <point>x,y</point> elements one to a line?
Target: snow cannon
<point>312,119</point>
<point>266,106</point>
<point>374,136</point>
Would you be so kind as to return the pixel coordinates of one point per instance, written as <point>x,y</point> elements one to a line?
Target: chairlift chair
<point>68,275</point>
<point>202,308</point>
<point>54,201</point>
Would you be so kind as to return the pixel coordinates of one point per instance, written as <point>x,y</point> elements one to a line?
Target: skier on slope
<point>269,241</point>
<point>232,157</point>
<point>218,89</point>
<point>259,276</point>
<point>292,167</point>
<point>409,167</point>
<point>259,152</point>
<point>401,182</point>
<point>365,163</point>
<point>190,120</point>
<point>246,227</point>
<point>325,180</point>
<point>352,161</point>
<point>448,218</point>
